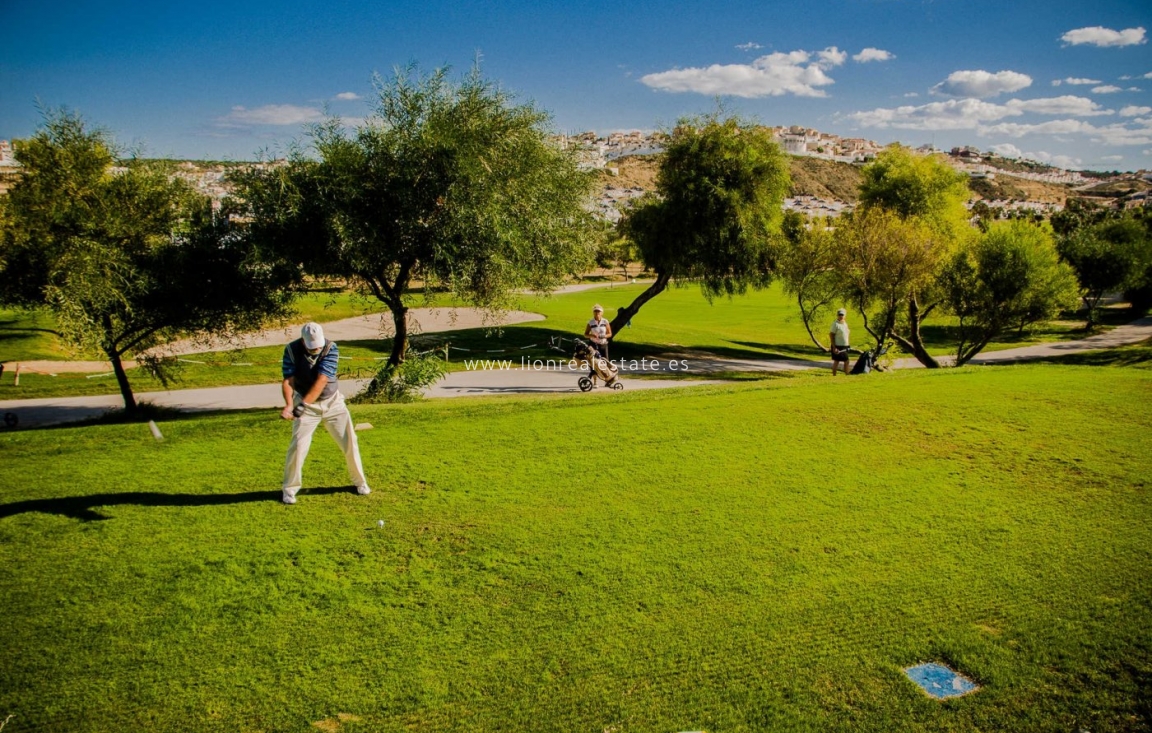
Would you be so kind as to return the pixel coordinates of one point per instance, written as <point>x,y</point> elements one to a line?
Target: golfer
<point>312,396</point>
<point>839,338</point>
<point>598,331</point>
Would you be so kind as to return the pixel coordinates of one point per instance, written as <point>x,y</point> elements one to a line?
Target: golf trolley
<point>868,360</point>
<point>586,356</point>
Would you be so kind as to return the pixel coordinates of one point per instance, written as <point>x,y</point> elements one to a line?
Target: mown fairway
<point>753,557</point>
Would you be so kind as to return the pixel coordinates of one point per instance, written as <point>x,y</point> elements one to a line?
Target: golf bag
<point>600,367</point>
<point>869,360</point>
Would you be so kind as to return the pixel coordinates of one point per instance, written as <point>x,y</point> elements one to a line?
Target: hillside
<point>810,176</point>
<point>1011,188</point>
<point>829,179</point>
<point>826,179</point>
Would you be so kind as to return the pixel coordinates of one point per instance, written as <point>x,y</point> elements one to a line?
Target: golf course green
<point>748,557</point>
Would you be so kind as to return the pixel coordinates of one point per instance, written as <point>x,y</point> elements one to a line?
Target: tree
<point>885,263</point>
<point>1010,277</point>
<point>614,250</point>
<point>928,197</point>
<point>1106,256</point>
<point>808,266</point>
<point>716,213</point>
<point>449,184</point>
<point>126,256</point>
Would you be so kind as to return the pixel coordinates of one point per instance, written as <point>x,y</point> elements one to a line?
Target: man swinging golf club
<point>312,396</point>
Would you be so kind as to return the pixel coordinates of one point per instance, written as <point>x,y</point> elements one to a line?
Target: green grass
<point>753,557</point>
<point>755,326</point>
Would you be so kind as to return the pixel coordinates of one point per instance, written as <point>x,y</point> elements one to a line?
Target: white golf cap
<point>597,307</point>
<point>841,312</point>
<point>313,336</point>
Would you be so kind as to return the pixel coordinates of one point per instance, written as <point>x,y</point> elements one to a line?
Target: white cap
<point>313,336</point>
<point>597,307</point>
<point>840,312</point>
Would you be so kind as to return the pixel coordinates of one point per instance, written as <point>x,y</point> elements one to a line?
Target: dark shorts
<point>842,354</point>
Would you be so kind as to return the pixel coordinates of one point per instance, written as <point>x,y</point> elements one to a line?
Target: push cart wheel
<point>10,419</point>
<point>618,385</point>
<point>585,384</point>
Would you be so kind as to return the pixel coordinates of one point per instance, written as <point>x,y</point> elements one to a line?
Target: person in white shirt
<point>840,341</point>
<point>598,331</point>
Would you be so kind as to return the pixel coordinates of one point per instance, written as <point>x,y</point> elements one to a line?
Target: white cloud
<point>981,83</point>
<point>1066,162</point>
<point>1100,36</point>
<point>1074,81</point>
<point>1112,157</point>
<point>1065,105</point>
<point>768,76</point>
<point>911,95</point>
<point>750,46</point>
<point>1053,127</point>
<point>271,114</point>
<point>1122,135</point>
<point>971,114</point>
<point>348,96</point>
<point>1009,150</point>
<point>1134,111</point>
<point>1106,89</point>
<point>1147,76</point>
<point>832,56</point>
<point>873,54</point>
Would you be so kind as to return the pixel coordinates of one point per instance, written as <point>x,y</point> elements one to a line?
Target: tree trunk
<point>806,317</point>
<point>130,408</point>
<point>964,357</point>
<point>913,342</point>
<point>400,340</point>
<point>625,314</point>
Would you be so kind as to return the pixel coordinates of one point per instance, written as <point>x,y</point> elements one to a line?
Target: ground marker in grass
<point>939,681</point>
<point>362,426</point>
<point>155,430</point>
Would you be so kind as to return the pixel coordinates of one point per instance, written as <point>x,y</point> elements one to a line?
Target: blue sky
<point>227,79</point>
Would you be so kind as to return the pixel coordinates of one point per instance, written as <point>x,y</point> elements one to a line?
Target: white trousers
<point>333,413</point>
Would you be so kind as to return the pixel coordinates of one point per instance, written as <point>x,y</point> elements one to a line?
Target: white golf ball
<point>379,522</point>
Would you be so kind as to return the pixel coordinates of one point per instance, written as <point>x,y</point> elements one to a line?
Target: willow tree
<point>716,213</point>
<point>123,253</point>
<point>449,184</point>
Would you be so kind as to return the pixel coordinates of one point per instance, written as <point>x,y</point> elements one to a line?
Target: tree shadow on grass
<point>85,508</point>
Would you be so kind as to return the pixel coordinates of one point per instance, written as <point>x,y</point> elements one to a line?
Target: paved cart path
<point>56,410</point>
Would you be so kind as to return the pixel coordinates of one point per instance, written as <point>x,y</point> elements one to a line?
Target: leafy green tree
<point>1107,257</point>
<point>614,251</point>
<point>1010,277</point>
<point>928,197</point>
<point>809,268</point>
<point>920,187</point>
<point>1078,214</point>
<point>125,255</point>
<point>716,213</point>
<point>885,262</point>
<point>447,184</point>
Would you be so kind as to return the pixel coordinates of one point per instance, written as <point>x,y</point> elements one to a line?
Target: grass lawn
<point>746,557</point>
<point>759,325</point>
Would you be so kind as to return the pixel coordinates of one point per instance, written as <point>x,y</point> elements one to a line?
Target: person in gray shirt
<point>839,336</point>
